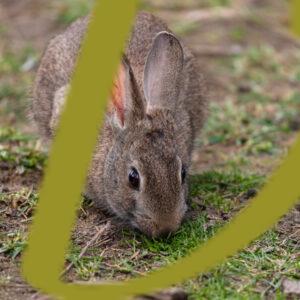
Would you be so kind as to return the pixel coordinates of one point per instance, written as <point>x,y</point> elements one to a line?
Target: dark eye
<point>134,178</point>
<point>183,174</point>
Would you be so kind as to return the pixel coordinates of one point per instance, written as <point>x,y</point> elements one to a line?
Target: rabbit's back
<point>60,57</point>
<point>54,72</point>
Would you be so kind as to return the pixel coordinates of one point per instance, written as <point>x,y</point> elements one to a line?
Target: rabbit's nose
<point>164,231</point>
<point>158,228</point>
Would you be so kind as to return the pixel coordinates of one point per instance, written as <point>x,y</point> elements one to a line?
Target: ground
<point>251,65</point>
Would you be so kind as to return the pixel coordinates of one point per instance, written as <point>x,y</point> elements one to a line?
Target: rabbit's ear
<point>163,72</point>
<point>126,103</point>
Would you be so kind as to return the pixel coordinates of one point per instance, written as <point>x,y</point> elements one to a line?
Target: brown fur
<point>151,129</point>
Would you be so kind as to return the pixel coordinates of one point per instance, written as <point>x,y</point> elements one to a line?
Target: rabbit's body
<point>139,165</point>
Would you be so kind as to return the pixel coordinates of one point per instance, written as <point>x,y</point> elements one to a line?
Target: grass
<point>23,158</point>
<point>12,244</point>
<point>238,34</point>
<point>250,127</point>
<point>19,205</point>
<point>13,63</point>
<point>184,27</point>
<point>178,5</point>
<point>252,274</point>
<point>71,10</point>
<point>19,154</point>
<point>15,82</point>
<point>85,267</point>
<point>22,202</point>
<point>218,3</point>
<point>11,92</point>
<point>218,192</point>
<point>252,119</point>
<point>217,195</point>
<point>252,124</point>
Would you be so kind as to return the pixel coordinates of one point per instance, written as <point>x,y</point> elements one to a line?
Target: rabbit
<point>158,104</point>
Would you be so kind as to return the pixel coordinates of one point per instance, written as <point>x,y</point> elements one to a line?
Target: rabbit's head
<point>145,170</point>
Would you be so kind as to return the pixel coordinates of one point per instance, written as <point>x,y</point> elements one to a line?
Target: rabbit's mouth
<point>153,229</point>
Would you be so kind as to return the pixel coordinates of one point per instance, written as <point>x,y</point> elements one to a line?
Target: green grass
<point>20,205</point>
<point>23,158</point>
<point>218,191</point>
<point>252,274</point>
<point>251,121</point>
<point>18,151</point>
<point>253,124</point>
<point>2,30</point>
<point>234,125</point>
<point>12,63</point>
<point>213,3</point>
<point>179,5</point>
<point>71,10</point>
<point>23,202</point>
<point>85,267</point>
<point>185,27</point>
<point>221,190</point>
<point>12,244</point>
<point>11,92</point>
<point>10,135</point>
<point>238,34</point>
<point>15,82</point>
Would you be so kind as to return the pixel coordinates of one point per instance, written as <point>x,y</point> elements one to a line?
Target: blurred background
<point>250,61</point>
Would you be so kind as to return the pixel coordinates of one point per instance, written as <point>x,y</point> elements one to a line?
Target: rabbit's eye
<point>134,178</point>
<point>183,174</point>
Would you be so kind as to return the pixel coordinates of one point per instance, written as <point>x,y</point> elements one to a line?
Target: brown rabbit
<point>142,158</point>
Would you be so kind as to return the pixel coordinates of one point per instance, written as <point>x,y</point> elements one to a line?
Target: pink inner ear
<point>118,95</point>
